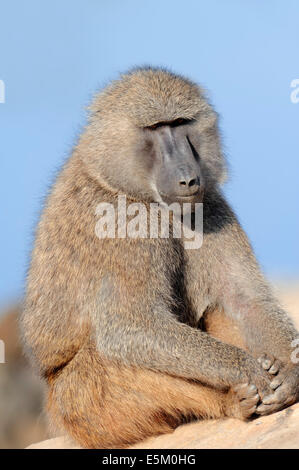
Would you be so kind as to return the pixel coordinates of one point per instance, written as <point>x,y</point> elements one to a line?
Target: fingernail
<point>274,385</point>
<point>267,400</point>
<point>266,364</point>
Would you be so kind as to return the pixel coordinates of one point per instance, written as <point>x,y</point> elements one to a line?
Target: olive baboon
<point>133,336</point>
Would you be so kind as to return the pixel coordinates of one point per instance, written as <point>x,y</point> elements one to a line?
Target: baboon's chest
<point>196,285</point>
<point>189,289</point>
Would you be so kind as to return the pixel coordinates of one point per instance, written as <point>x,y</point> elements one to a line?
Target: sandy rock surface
<point>277,431</point>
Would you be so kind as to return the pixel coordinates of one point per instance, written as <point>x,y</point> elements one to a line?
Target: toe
<point>268,409</point>
<point>276,382</point>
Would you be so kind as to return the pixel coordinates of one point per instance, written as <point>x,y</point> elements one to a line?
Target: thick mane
<point>148,96</point>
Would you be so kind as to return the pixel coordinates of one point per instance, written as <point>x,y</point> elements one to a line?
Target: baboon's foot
<point>243,401</point>
<point>285,385</point>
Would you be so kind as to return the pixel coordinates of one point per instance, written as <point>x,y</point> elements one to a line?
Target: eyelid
<point>194,151</point>
<point>174,123</point>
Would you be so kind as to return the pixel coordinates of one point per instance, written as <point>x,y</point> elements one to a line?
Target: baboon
<point>134,336</point>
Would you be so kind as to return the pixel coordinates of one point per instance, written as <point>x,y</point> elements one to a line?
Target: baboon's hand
<point>270,364</point>
<point>285,385</point>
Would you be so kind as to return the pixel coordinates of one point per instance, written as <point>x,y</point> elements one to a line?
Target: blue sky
<point>55,54</point>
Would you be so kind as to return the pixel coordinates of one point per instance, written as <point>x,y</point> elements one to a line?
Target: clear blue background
<point>55,54</point>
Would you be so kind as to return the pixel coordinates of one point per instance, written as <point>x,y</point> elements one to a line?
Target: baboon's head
<point>153,136</point>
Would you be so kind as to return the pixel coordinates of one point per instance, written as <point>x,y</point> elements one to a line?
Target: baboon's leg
<point>219,325</point>
<point>105,405</point>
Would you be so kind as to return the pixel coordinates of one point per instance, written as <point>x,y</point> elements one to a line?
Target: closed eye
<point>195,153</point>
<point>175,123</point>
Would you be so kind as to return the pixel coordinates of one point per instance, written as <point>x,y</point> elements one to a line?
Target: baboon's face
<point>154,137</point>
<point>172,161</point>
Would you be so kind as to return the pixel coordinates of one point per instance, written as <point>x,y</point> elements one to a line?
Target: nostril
<point>192,182</point>
<point>189,183</point>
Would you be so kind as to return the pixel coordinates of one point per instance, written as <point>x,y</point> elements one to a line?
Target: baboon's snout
<point>187,181</point>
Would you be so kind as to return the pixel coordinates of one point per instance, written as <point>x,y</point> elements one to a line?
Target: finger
<point>268,409</point>
<point>274,368</point>
<point>279,397</point>
<point>271,399</point>
<point>266,361</point>
<point>266,364</point>
<point>261,358</point>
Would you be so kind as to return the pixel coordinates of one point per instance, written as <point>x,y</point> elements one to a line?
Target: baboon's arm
<point>246,296</point>
<point>159,342</point>
<point>266,329</point>
<point>237,285</point>
<point>265,325</point>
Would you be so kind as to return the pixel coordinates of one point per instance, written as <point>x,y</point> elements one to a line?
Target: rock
<point>277,431</point>
<point>62,442</point>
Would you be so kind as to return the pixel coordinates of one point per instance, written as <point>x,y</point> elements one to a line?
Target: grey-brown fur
<point>112,324</point>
